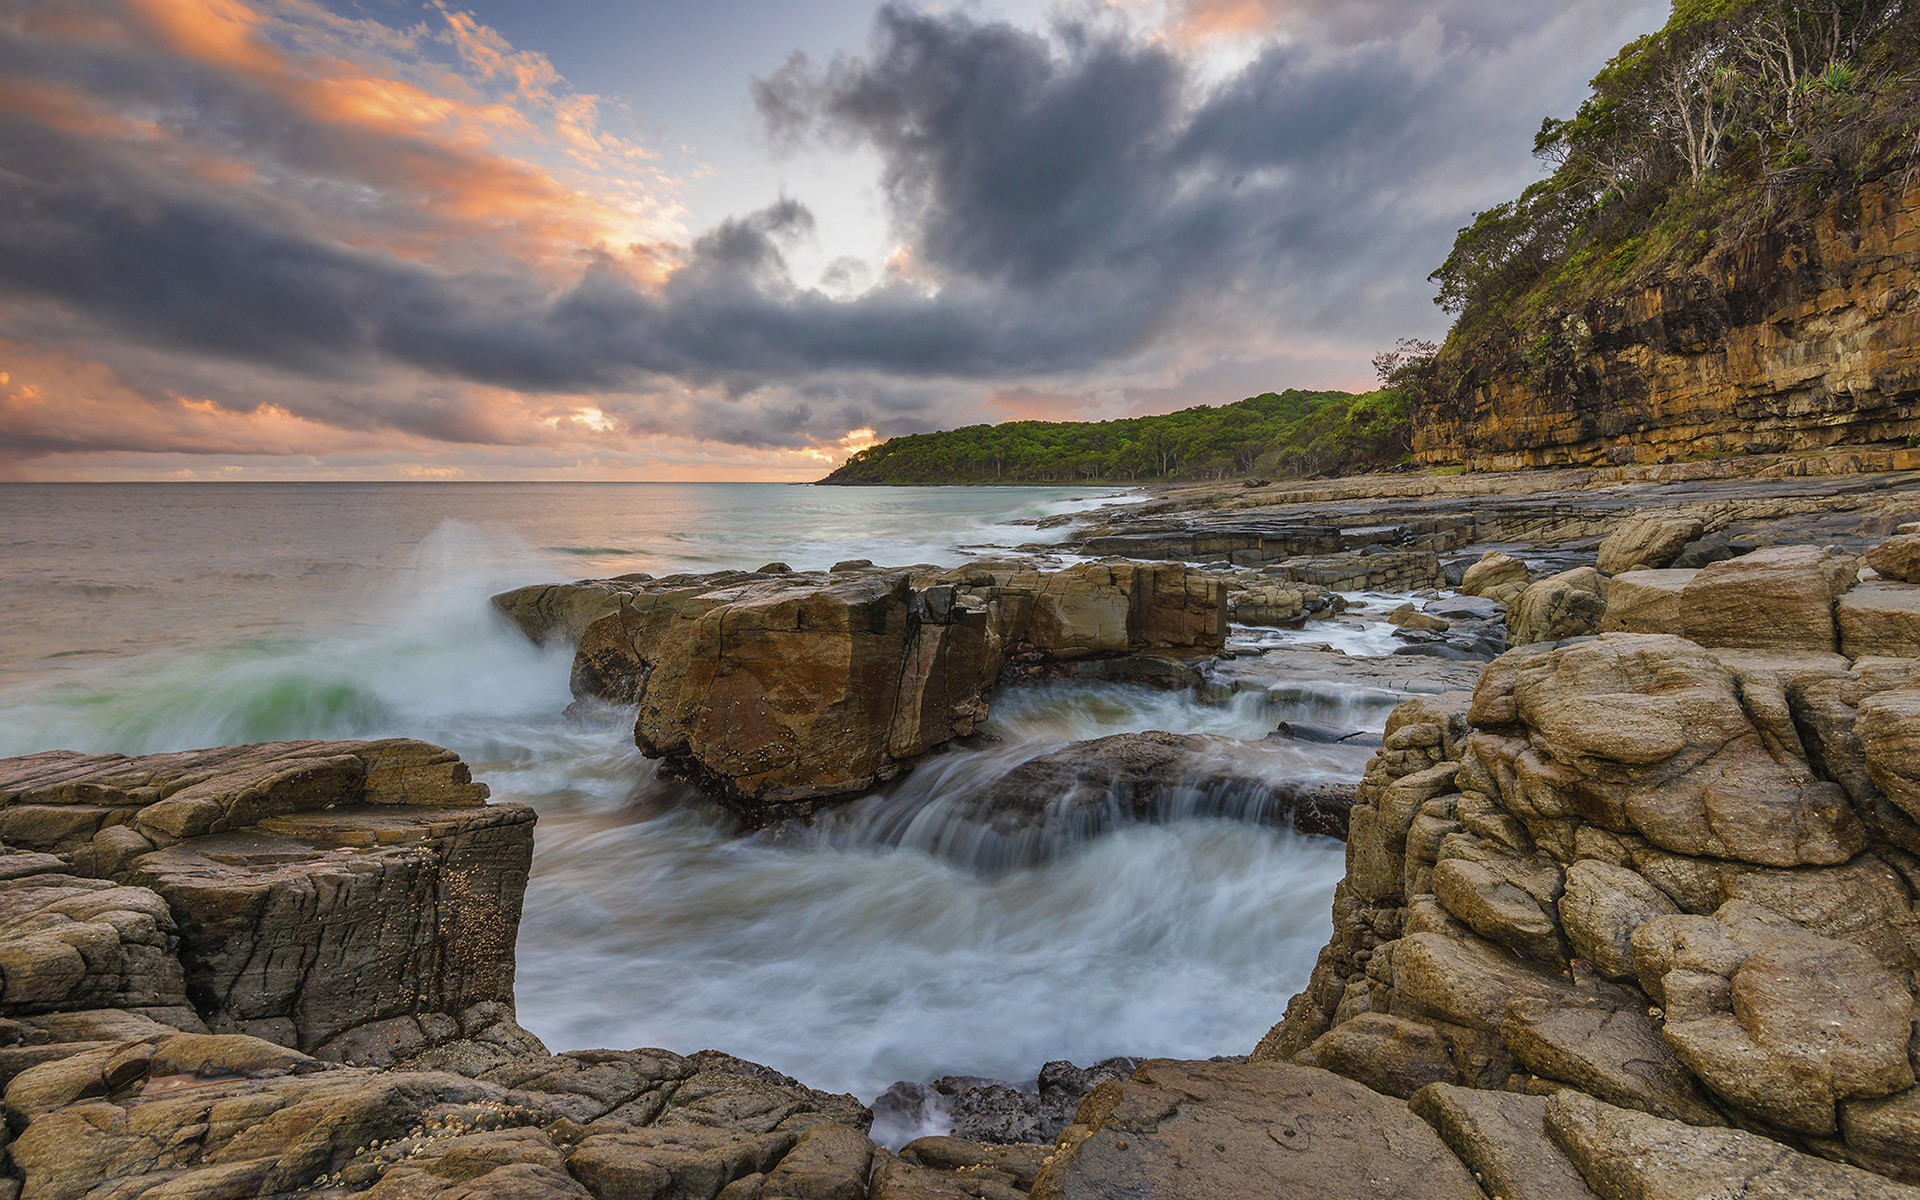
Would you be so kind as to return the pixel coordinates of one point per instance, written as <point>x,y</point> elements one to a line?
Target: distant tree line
<point>1290,433</point>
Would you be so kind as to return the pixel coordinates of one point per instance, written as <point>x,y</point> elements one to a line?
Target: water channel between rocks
<point>901,938</point>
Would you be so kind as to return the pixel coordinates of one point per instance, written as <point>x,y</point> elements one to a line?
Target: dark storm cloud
<point>1072,199</point>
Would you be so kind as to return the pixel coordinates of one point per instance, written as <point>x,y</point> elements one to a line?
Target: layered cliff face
<point>1800,338</point>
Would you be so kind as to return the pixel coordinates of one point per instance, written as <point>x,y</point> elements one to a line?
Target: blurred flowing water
<point>884,945</point>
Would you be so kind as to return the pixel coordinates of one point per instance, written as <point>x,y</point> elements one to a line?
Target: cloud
<point>320,230</point>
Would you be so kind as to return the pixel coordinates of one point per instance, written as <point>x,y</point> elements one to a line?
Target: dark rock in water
<point>851,564</point>
<point>1306,731</point>
<point>1713,548</point>
<point>995,1111</point>
<point>1468,608</point>
<point>774,568</point>
<point>1166,670</point>
<point>1446,650</point>
<point>1085,788</point>
<point>1454,571</point>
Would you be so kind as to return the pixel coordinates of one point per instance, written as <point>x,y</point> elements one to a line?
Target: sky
<point>731,239</point>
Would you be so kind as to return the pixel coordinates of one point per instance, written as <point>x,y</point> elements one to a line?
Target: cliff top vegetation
<point>1737,115</point>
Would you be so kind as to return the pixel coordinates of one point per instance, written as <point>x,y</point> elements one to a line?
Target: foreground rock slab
<point>1625,1155</point>
<point>1200,1131</point>
<point>358,901</point>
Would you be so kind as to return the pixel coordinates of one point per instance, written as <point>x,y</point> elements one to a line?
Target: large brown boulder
<point>1776,599</point>
<point>1626,1155</point>
<point>774,693</point>
<point>1897,558</point>
<point>1647,541</point>
<point>1566,605</point>
<point>1201,1131</point>
<point>1642,733</point>
<point>1497,576</point>
<point>1645,602</point>
<point>1781,1022</point>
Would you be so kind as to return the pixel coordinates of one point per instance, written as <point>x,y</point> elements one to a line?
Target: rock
<point>691,1161</point>
<point>1389,1054</point>
<point>225,1132</point>
<point>68,943</point>
<point>1884,1135</point>
<point>1779,598</point>
<point>1497,577</point>
<point>1566,605</point>
<point>1409,617</point>
<point>829,1162</point>
<point>1713,548</point>
<point>775,693</point>
<point>1890,742</point>
<point>999,1113</point>
<point>1467,608</point>
<point>561,612</point>
<point>1018,1164</point>
<point>1646,603</point>
<point>1880,618</point>
<point>1800,1022</point>
<point>1658,744</point>
<point>1616,1055</point>
<point>1503,1138</point>
<point>1601,908</point>
<point>1210,1130</point>
<point>1896,558</point>
<point>514,1164</point>
<point>1626,1155</point>
<point>355,900</point>
<point>896,1179</point>
<point>1646,541</point>
<point>1276,605</point>
<point>423,903</point>
<point>1469,982</point>
<point>1507,900</point>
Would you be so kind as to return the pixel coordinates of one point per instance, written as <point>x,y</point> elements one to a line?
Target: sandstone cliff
<point>1799,338</point>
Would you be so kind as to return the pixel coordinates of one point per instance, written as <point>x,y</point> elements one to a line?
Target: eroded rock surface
<point>775,693</point>
<point>1672,885</point>
<point>354,900</point>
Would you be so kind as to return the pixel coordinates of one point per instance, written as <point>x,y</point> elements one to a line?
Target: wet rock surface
<point>774,693</point>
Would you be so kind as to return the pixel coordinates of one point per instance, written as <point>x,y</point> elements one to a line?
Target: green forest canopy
<point>1292,433</point>
<point>1735,116</point>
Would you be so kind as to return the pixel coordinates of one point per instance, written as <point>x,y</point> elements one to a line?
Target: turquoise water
<point>142,618</point>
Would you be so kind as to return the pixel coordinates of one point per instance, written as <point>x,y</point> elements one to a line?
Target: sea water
<point>141,618</point>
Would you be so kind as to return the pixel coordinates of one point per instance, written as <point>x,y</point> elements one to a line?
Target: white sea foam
<point>255,614</point>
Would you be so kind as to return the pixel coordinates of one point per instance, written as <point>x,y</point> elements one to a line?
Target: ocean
<point>150,617</point>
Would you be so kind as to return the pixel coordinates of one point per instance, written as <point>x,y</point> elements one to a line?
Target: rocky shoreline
<point>1629,908</point>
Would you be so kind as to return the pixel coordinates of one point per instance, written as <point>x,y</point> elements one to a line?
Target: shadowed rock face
<point>1161,776</point>
<point>353,900</point>
<point>775,693</point>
